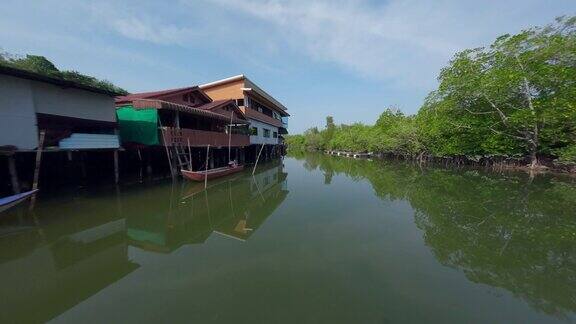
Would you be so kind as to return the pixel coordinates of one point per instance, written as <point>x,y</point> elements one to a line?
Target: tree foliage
<point>516,97</point>
<point>41,65</point>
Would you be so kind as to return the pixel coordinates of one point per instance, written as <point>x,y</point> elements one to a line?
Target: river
<point>313,239</point>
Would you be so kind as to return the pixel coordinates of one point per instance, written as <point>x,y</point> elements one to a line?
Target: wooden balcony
<point>172,136</point>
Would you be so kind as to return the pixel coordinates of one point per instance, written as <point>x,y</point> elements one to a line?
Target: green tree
<point>519,92</point>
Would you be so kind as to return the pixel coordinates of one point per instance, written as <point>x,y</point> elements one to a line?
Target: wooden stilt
<point>169,161</point>
<point>258,158</point>
<point>13,174</point>
<point>230,136</point>
<point>37,167</point>
<point>189,155</point>
<point>206,174</point>
<point>167,152</point>
<point>116,171</point>
<point>212,159</point>
<point>82,166</point>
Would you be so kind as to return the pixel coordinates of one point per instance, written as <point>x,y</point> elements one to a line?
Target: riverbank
<point>496,163</point>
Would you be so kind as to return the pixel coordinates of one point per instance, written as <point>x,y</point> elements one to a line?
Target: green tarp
<point>138,126</point>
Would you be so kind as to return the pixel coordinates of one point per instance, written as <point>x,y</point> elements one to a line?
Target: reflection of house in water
<point>234,207</point>
<point>80,246</point>
<point>72,257</point>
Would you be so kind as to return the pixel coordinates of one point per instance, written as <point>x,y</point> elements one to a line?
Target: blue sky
<point>349,59</point>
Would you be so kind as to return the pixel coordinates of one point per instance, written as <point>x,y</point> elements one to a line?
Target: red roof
<point>158,94</point>
<point>160,104</point>
<point>215,104</point>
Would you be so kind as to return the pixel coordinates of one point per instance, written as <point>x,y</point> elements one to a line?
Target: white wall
<point>260,139</point>
<point>17,115</point>
<point>70,102</point>
<point>21,99</point>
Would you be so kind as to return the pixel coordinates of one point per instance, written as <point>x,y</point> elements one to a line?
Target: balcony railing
<point>173,136</point>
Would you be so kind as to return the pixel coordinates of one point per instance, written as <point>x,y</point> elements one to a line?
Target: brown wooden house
<point>183,119</point>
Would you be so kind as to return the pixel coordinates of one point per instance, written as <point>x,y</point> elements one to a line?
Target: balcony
<point>172,136</point>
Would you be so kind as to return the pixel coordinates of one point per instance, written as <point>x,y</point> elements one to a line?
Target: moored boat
<point>212,173</point>
<point>11,201</point>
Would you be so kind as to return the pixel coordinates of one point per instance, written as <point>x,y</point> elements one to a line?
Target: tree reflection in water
<point>504,230</point>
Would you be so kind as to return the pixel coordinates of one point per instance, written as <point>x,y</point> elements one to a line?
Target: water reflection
<point>188,214</point>
<point>503,230</point>
<point>73,247</point>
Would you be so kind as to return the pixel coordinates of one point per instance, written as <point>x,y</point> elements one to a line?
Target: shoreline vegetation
<point>509,105</point>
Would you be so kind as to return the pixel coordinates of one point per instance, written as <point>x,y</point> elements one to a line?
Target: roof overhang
<point>223,81</point>
<point>160,104</point>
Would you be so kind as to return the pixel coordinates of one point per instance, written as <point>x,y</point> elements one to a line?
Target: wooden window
<point>240,102</point>
<point>275,134</point>
<point>266,132</point>
<point>254,131</point>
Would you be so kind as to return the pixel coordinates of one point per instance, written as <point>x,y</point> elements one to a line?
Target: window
<point>266,132</point>
<point>240,102</point>
<point>254,131</point>
<point>275,134</point>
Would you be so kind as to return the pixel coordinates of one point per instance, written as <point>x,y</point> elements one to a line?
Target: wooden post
<point>189,155</point>
<point>37,167</point>
<point>166,147</point>
<point>116,171</point>
<point>13,174</point>
<point>230,135</point>
<point>206,172</point>
<point>258,158</point>
<point>212,159</point>
<point>82,166</point>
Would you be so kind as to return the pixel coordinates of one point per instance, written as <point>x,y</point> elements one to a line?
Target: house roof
<point>161,104</point>
<point>222,103</point>
<point>216,103</point>
<point>161,93</point>
<point>248,86</point>
<point>24,74</point>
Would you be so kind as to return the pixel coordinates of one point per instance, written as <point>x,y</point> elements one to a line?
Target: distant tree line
<point>515,98</point>
<point>41,65</point>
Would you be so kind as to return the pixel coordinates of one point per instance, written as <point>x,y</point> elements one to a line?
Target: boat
<point>11,201</point>
<point>212,173</point>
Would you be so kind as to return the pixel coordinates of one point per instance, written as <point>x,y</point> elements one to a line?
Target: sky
<point>348,59</point>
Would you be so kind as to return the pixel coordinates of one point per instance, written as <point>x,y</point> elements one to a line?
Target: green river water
<point>315,239</point>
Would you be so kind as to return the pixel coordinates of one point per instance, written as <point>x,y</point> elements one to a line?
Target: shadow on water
<point>73,246</point>
<point>504,230</point>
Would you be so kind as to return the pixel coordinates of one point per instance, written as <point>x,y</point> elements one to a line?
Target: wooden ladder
<point>183,156</point>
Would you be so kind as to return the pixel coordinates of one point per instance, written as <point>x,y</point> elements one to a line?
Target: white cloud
<point>135,22</point>
<point>404,42</point>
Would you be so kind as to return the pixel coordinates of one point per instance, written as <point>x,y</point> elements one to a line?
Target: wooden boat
<point>212,173</point>
<point>11,201</point>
